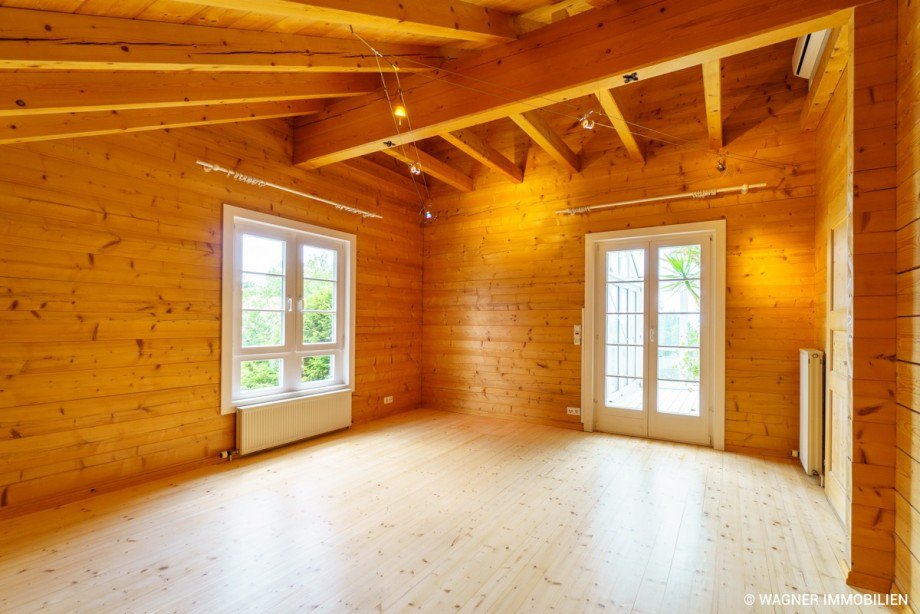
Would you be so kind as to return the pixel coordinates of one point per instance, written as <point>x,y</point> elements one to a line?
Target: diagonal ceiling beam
<point>827,74</point>
<point>38,93</point>
<point>712,92</point>
<point>66,125</point>
<point>543,135</point>
<point>62,41</point>
<point>432,167</point>
<point>451,19</point>
<point>570,58</point>
<point>470,144</point>
<point>614,112</point>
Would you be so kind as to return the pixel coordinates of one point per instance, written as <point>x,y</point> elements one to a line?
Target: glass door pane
<point>624,326</point>
<point>678,351</point>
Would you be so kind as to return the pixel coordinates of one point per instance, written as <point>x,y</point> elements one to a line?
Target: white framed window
<point>288,297</point>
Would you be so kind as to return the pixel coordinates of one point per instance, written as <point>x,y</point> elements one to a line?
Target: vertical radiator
<point>811,410</point>
<point>268,425</point>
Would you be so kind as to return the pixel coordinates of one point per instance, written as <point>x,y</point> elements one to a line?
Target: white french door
<point>653,343</point>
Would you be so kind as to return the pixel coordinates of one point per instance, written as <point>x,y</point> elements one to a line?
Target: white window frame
<point>237,222</point>
<point>716,229</point>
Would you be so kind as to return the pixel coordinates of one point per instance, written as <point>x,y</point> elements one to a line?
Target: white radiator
<point>259,427</point>
<point>811,410</point>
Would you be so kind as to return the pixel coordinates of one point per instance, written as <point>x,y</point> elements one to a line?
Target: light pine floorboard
<point>437,512</point>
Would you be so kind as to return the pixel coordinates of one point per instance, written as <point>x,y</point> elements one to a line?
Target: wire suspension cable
<point>261,183</point>
<point>698,195</point>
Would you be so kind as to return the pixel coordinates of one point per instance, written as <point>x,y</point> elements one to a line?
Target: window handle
<point>300,304</point>
<point>290,304</point>
<point>651,335</point>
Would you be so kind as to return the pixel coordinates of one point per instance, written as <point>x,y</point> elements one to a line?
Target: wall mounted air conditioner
<point>807,53</point>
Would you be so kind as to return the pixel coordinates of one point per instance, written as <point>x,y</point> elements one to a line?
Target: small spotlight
<point>428,215</point>
<point>720,164</point>
<point>415,168</point>
<point>400,113</point>
<point>586,122</point>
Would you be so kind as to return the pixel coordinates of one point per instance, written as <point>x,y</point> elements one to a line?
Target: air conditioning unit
<point>807,53</point>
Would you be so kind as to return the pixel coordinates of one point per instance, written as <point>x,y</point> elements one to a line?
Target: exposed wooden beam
<point>470,144</point>
<point>543,15</point>
<point>827,74</point>
<point>712,92</point>
<point>46,40</point>
<point>451,19</point>
<point>543,135</point>
<point>48,127</point>
<point>432,167</point>
<point>630,36</point>
<point>38,93</point>
<point>614,111</point>
<point>376,175</point>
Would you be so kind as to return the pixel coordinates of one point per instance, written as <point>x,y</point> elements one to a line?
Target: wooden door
<point>838,374</point>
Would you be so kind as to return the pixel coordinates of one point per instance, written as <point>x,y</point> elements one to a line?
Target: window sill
<point>250,402</point>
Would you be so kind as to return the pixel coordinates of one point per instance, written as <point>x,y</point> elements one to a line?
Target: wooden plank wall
<point>907,499</point>
<point>110,294</point>
<point>874,281</point>
<point>504,274</point>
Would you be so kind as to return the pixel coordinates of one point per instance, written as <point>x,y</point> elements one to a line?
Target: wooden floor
<point>437,512</point>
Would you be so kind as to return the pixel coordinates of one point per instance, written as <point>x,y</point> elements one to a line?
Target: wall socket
<point>573,411</point>
<point>387,400</point>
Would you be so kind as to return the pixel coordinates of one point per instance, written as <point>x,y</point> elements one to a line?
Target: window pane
<point>261,255</point>
<point>318,295</point>
<point>679,296</point>
<point>680,262</point>
<point>259,374</point>
<point>316,369</point>
<point>623,393</point>
<point>626,297</point>
<point>263,328</point>
<point>679,364</point>
<point>318,327</point>
<point>625,329</point>
<point>263,291</point>
<point>626,265</point>
<point>679,329</point>
<point>624,360</point>
<point>319,263</point>
<point>682,398</point>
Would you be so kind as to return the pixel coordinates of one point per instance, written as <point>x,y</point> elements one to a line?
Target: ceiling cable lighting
<point>586,122</point>
<point>415,168</point>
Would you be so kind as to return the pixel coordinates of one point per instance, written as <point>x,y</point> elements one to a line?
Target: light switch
<point>576,335</point>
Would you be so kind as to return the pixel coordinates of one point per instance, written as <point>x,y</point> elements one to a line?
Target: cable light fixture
<point>261,183</point>
<point>698,195</point>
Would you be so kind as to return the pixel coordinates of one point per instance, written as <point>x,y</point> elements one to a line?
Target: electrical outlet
<point>573,411</point>
<point>387,400</point>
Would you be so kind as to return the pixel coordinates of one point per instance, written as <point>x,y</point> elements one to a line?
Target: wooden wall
<point>907,500</point>
<point>110,293</point>
<point>874,282</point>
<point>504,274</point>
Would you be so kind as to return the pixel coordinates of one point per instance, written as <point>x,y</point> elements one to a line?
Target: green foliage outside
<point>263,319</point>
<point>680,271</point>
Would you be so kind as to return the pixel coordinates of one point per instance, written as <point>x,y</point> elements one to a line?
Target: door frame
<point>714,228</point>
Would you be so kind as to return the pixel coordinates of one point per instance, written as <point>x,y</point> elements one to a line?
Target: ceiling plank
<point>39,93</point>
<point>66,125</point>
<point>61,41</point>
<point>543,135</point>
<point>470,144</point>
<point>827,74</point>
<point>571,58</point>
<point>614,111</point>
<point>543,15</point>
<point>452,19</point>
<point>712,92</point>
<point>432,167</point>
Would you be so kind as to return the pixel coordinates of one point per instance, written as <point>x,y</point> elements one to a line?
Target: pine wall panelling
<point>110,294</point>
<point>504,274</point>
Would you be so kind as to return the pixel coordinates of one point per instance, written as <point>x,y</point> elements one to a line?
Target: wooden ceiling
<point>87,67</point>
